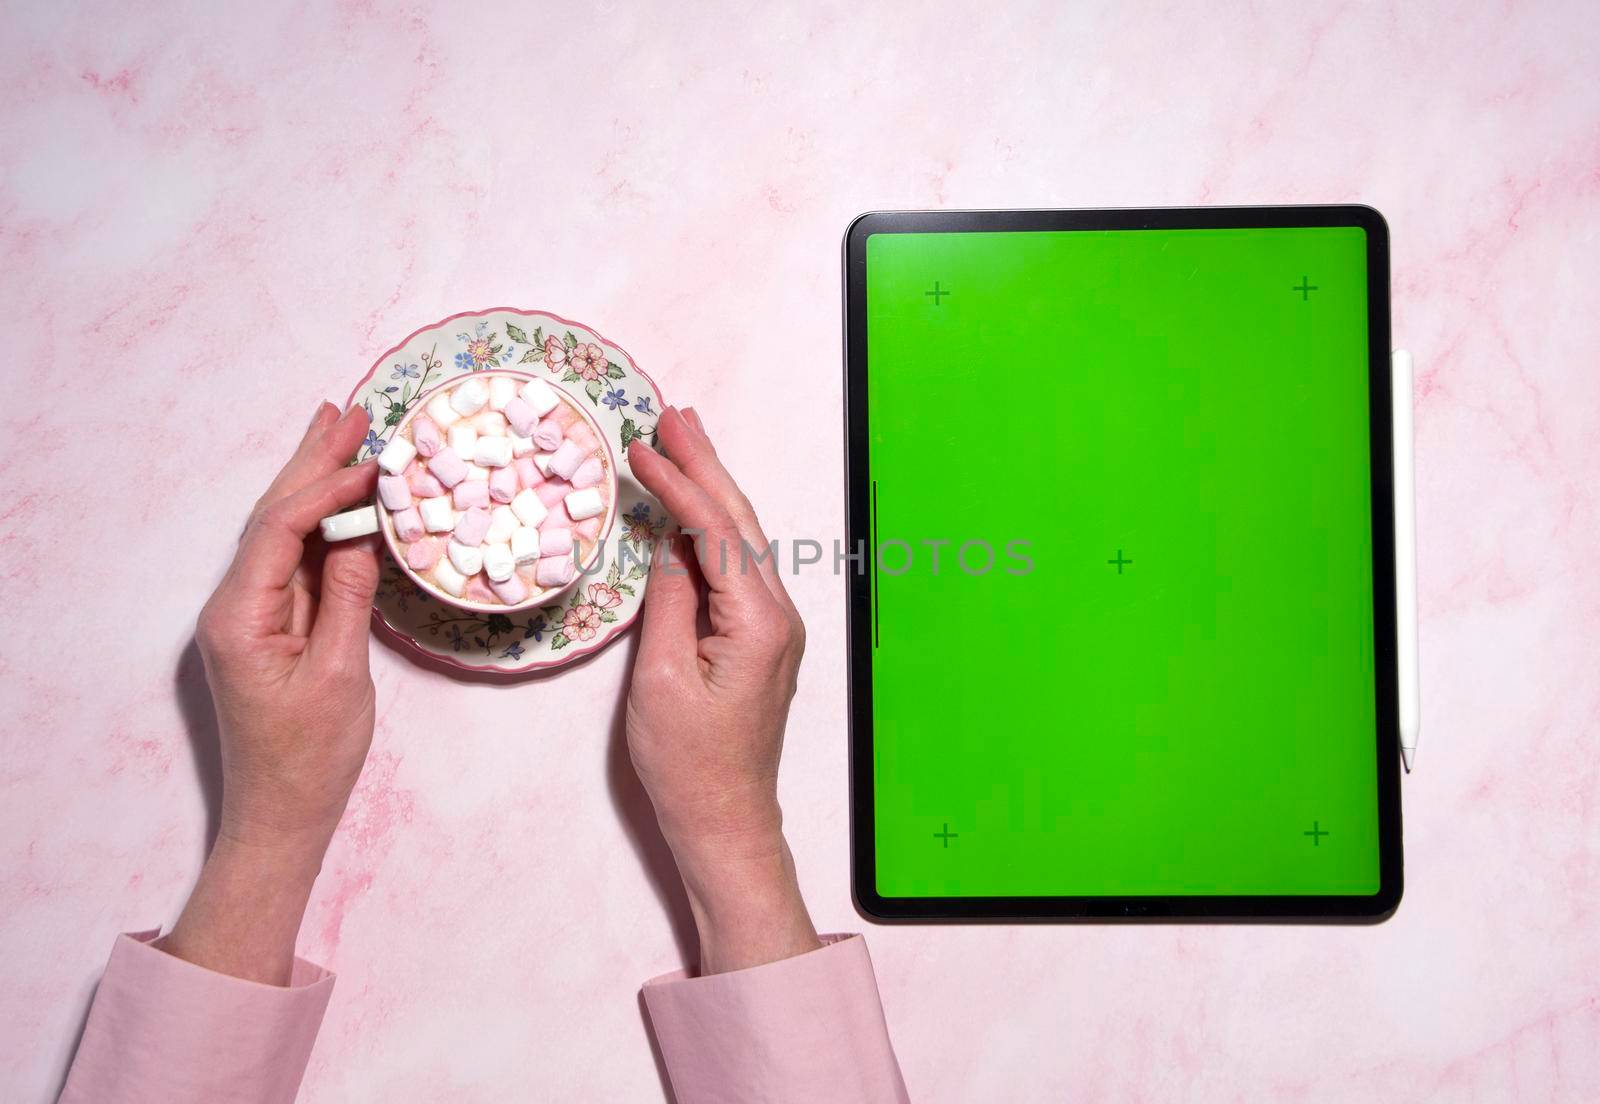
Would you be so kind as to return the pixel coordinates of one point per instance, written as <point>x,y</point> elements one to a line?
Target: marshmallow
<point>590,472</point>
<point>440,410</point>
<point>587,530</point>
<point>526,544</point>
<point>554,571</point>
<point>477,471</point>
<point>490,424</point>
<point>493,452</point>
<point>472,526</point>
<point>581,435</point>
<point>555,542</point>
<point>552,491</point>
<point>557,518</point>
<point>468,494</point>
<point>567,459</point>
<point>448,578</point>
<point>408,524</point>
<point>521,446</point>
<point>438,515</point>
<point>502,389</point>
<point>541,460</point>
<point>512,591</point>
<point>393,492</point>
<point>478,590</point>
<point>467,558</point>
<point>521,416</point>
<point>528,508</point>
<point>463,439</point>
<point>422,484</point>
<point>396,454</point>
<point>541,396</point>
<point>498,562</point>
<point>548,434</point>
<point>502,523</point>
<point>584,504</point>
<point>528,474</point>
<point>469,398</point>
<point>352,523</point>
<point>504,484</point>
<point>447,467</point>
<point>425,435</point>
<point>423,554</point>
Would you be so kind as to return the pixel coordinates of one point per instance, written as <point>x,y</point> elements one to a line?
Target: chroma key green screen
<point>1167,687</point>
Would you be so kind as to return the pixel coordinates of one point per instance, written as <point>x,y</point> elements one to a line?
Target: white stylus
<point>1405,559</point>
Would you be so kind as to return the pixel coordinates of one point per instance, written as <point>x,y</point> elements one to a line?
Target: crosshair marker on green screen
<point>1178,698</point>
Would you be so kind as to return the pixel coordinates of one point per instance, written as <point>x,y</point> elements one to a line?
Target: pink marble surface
<point>217,214</point>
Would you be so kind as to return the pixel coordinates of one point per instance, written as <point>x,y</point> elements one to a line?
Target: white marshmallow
<point>440,410</point>
<point>585,504</point>
<point>352,523</point>
<point>396,455</point>
<point>498,563</point>
<point>492,452</point>
<point>525,544</point>
<point>541,460</point>
<point>528,508</point>
<point>502,523</point>
<point>477,471</point>
<point>541,396</point>
<point>448,578</point>
<point>521,446</point>
<point>468,558</point>
<point>469,398</point>
<point>463,439</point>
<point>490,424</point>
<point>502,389</point>
<point>438,514</point>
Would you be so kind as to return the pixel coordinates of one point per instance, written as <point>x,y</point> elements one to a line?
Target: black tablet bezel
<point>858,497</point>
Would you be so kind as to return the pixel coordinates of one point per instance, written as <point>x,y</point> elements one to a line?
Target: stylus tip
<point>1408,756</point>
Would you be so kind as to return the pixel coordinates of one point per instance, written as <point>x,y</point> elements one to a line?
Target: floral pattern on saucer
<point>626,403</point>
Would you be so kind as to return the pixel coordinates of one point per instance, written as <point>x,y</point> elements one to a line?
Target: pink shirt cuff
<point>164,1029</point>
<point>806,1028</point>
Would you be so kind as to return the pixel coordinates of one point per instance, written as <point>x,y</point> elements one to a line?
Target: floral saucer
<point>626,404</point>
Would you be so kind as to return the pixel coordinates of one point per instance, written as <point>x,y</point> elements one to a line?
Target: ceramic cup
<point>375,518</point>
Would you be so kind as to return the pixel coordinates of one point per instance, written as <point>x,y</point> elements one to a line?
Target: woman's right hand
<point>706,715</point>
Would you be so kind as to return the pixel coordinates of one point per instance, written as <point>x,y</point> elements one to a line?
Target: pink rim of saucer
<point>386,520</point>
<point>404,638</point>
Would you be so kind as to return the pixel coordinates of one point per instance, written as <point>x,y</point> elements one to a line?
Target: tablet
<point>1122,633</point>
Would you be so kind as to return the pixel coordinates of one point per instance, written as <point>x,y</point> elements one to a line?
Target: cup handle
<point>350,524</point>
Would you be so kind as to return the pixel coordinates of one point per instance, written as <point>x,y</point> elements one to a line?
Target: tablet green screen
<point>1123,611</point>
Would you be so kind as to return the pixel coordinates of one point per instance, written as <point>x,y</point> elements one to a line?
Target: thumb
<point>344,607</point>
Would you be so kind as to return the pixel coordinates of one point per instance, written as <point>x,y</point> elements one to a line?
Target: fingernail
<point>693,415</point>
<point>315,414</point>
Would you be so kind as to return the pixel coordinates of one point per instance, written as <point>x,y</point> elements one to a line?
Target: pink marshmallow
<point>426,436</point>
<point>554,571</point>
<point>588,529</point>
<point>555,542</point>
<point>470,492</point>
<point>422,484</point>
<point>447,467</point>
<point>547,434</point>
<point>521,416</point>
<point>503,484</point>
<point>528,473</point>
<point>557,518</point>
<point>422,555</point>
<point>567,459</point>
<point>589,473</point>
<point>552,491</point>
<point>472,527</point>
<point>408,525</point>
<point>478,590</point>
<point>581,435</point>
<point>393,492</point>
<point>512,591</point>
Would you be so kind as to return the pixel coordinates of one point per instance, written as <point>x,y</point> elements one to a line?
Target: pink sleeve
<point>163,1029</point>
<point>807,1028</point>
